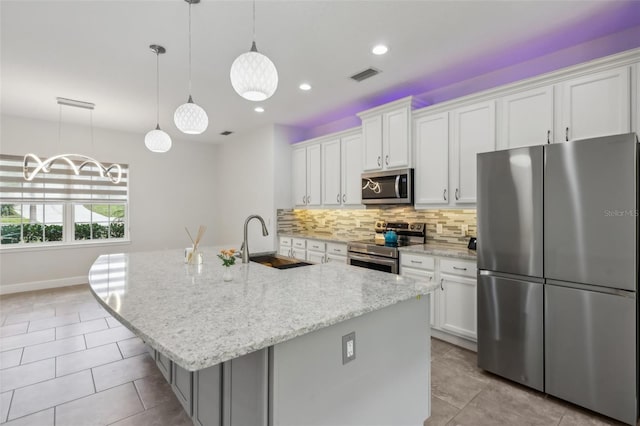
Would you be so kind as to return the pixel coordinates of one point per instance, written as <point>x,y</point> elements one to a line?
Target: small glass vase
<point>228,274</point>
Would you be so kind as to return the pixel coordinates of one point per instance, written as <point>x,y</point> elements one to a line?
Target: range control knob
<point>412,226</point>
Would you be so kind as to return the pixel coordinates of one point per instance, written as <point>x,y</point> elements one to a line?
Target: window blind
<point>61,184</point>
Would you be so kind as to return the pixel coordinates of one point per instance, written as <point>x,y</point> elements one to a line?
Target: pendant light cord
<point>254,21</point>
<point>189,49</point>
<point>157,88</point>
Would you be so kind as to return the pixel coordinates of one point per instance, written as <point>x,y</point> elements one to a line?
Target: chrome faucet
<point>245,245</point>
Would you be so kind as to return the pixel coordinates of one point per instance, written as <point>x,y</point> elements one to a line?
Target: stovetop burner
<point>381,243</point>
<point>408,234</point>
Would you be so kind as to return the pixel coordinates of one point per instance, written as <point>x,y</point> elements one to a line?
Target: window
<point>59,207</point>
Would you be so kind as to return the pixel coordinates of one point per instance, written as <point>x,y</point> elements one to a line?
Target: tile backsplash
<point>358,224</point>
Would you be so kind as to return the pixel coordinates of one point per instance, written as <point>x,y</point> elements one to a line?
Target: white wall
<point>254,171</point>
<point>167,192</point>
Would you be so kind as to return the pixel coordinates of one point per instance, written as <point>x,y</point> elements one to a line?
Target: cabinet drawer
<point>300,243</point>
<point>417,261</point>
<point>458,267</point>
<point>338,249</point>
<point>285,241</point>
<point>315,246</point>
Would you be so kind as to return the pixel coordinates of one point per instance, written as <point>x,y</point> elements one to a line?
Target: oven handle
<point>398,186</point>
<point>373,259</point>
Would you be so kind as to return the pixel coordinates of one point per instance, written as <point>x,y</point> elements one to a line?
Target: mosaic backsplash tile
<point>358,224</point>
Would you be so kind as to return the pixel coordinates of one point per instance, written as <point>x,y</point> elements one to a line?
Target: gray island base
<point>325,344</point>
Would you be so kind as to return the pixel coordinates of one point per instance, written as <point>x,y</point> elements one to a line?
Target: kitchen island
<point>275,346</point>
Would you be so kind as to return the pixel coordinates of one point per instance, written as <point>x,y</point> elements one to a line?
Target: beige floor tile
<point>81,328</point>
<point>5,401</point>
<point>21,340</point>
<point>70,308</point>
<point>29,316</point>
<point>53,349</point>
<point>132,347</point>
<point>88,358</point>
<point>577,417</point>
<point>28,374</point>
<point>13,329</point>
<point>41,418</point>
<point>119,372</point>
<point>441,412</point>
<point>94,314</point>
<point>154,390</point>
<point>10,358</point>
<point>108,336</point>
<point>48,394</point>
<point>113,323</point>
<point>467,362</point>
<point>439,348</point>
<point>101,408</point>
<point>452,385</point>
<point>53,322</point>
<point>162,415</point>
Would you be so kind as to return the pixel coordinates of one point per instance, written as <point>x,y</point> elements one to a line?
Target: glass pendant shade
<point>157,140</point>
<point>254,76</point>
<point>190,118</point>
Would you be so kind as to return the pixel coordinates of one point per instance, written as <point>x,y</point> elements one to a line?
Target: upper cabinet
<point>305,173</point>
<point>331,173</point>
<point>527,118</point>
<point>386,134</point>
<point>431,137</point>
<point>597,104</point>
<point>351,169</point>
<point>474,131</point>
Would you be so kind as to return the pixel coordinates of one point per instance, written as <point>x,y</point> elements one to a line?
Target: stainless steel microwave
<point>389,187</point>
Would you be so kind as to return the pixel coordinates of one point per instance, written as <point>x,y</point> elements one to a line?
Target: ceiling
<point>97,51</point>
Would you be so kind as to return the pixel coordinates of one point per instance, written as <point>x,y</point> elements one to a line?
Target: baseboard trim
<point>455,340</point>
<point>42,285</point>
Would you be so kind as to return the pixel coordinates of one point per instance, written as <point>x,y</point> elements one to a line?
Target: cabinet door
<point>299,254</point>
<point>284,251</point>
<point>351,170</point>
<point>372,135</point>
<point>527,118</point>
<point>315,257</point>
<point>427,276</point>
<point>299,176</point>
<point>458,306</point>
<point>396,140</point>
<point>183,387</point>
<point>164,365</point>
<point>596,105</point>
<point>331,179</point>
<point>208,396</point>
<point>334,258</point>
<point>314,183</point>
<point>474,131</point>
<point>432,159</point>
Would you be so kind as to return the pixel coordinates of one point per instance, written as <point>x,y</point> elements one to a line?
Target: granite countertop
<point>190,314</point>
<point>442,250</point>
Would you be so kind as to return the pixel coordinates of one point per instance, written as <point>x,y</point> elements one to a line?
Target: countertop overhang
<point>191,315</point>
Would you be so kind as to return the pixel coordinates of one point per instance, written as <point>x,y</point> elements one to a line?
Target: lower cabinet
<point>458,306</point>
<point>164,365</point>
<point>182,385</point>
<point>207,407</point>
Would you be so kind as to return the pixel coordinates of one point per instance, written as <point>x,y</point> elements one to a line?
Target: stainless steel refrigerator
<point>558,270</point>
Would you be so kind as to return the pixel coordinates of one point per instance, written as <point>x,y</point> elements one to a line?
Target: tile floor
<point>65,361</point>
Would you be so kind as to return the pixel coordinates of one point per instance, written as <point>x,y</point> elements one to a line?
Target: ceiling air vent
<point>226,133</point>
<point>363,75</point>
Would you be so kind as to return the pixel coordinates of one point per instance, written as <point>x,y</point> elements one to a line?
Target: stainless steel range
<point>376,254</point>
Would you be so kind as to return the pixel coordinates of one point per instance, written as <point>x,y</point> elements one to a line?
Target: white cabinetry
<point>299,248</point>
<point>331,173</point>
<point>474,131</point>
<point>527,118</point>
<point>421,268</point>
<point>337,252</point>
<point>386,135</point>
<point>284,248</point>
<point>597,104</point>
<point>351,169</point>
<point>316,251</point>
<point>306,175</point>
<point>432,159</point>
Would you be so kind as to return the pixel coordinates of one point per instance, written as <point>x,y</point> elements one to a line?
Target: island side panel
<point>388,382</point>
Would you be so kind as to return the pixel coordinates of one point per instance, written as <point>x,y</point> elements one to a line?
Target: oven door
<point>384,264</point>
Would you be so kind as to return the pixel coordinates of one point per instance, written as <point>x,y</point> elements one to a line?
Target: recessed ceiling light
<point>305,86</point>
<point>258,109</point>
<point>380,49</point>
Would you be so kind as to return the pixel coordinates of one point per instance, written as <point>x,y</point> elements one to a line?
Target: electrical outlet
<point>348,347</point>
<point>464,228</point>
<point>439,228</point>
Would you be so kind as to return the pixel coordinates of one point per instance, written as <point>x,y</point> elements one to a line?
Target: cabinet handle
<point>459,269</point>
<point>566,134</point>
<point>344,198</point>
<point>441,284</point>
<point>289,252</point>
<point>548,136</point>
<point>386,160</point>
<point>308,199</point>
<point>431,278</point>
<point>379,162</point>
<point>304,199</point>
<point>444,194</point>
<point>457,196</point>
<point>419,262</point>
<point>338,198</point>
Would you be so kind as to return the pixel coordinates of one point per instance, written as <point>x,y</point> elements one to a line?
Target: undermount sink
<point>278,262</point>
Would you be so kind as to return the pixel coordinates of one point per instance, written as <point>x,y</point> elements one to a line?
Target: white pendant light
<point>253,75</point>
<point>190,118</point>
<point>157,140</point>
